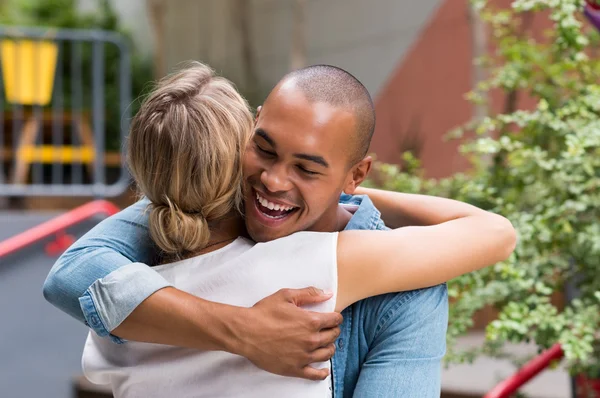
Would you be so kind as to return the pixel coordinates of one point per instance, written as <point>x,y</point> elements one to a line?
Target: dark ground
<point>40,347</point>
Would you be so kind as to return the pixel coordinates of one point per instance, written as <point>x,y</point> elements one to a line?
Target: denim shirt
<point>390,345</point>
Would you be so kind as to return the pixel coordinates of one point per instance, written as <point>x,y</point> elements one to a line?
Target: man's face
<point>296,165</point>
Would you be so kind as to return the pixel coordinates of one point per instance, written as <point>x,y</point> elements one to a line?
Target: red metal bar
<point>526,373</point>
<point>593,4</point>
<point>56,225</point>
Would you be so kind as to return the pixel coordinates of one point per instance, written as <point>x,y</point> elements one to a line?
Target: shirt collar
<point>366,216</point>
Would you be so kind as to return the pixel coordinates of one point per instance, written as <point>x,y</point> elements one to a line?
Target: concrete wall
<point>368,38</point>
<point>424,97</point>
<point>414,56</point>
<point>202,30</point>
<point>133,17</point>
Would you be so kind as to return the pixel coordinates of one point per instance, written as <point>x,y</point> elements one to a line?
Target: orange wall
<point>424,97</point>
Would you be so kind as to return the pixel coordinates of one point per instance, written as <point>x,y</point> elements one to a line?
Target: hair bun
<point>176,231</point>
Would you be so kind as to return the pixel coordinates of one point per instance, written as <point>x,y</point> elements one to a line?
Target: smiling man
<point>309,147</point>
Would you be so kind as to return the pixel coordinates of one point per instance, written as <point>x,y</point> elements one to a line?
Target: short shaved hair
<point>337,87</point>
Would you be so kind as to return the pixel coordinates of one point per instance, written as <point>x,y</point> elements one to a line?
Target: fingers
<point>329,320</point>
<point>323,354</point>
<point>308,295</point>
<point>311,373</point>
<point>329,336</point>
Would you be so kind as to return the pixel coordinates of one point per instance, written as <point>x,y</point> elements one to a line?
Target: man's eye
<point>264,151</point>
<point>306,171</point>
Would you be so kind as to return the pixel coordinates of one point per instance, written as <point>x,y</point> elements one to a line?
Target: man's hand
<point>276,334</point>
<point>282,338</point>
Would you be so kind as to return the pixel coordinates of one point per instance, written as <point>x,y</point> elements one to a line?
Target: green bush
<point>541,168</point>
<point>65,14</point>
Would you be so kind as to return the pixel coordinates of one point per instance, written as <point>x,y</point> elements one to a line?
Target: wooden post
<point>298,50</point>
<point>242,16</point>
<point>479,42</point>
<point>156,13</point>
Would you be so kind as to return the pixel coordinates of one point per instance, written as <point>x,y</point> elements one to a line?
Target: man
<point>309,146</point>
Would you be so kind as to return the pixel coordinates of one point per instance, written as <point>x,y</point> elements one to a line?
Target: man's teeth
<point>272,206</point>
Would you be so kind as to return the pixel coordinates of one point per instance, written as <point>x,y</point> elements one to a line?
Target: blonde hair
<point>185,149</point>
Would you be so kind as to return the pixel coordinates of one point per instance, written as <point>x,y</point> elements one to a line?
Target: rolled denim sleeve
<point>407,341</point>
<point>103,277</point>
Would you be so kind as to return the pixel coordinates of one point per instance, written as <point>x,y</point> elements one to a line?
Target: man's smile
<point>269,211</point>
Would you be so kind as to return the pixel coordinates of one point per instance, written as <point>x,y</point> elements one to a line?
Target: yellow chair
<point>28,69</point>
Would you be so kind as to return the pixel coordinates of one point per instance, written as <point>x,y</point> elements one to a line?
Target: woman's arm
<point>403,210</point>
<point>454,238</point>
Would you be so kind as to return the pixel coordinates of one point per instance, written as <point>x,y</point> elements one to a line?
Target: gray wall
<point>133,17</point>
<point>368,38</point>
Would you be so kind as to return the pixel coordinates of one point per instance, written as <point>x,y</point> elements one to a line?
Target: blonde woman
<point>187,155</point>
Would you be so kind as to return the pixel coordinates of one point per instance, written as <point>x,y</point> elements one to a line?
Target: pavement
<point>40,347</point>
<point>480,377</point>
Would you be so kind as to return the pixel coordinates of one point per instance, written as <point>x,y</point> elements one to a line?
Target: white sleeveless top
<point>239,274</point>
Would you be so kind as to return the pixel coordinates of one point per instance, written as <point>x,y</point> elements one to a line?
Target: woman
<point>185,154</point>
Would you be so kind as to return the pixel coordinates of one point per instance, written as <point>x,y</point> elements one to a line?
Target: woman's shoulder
<point>304,244</point>
<point>230,252</point>
<point>300,239</point>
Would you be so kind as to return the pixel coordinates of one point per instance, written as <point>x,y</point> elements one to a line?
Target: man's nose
<point>275,178</point>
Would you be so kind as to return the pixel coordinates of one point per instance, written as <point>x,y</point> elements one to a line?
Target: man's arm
<point>405,351</point>
<point>97,282</point>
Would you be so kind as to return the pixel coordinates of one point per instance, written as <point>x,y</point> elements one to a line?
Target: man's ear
<point>358,174</point>
<point>257,114</point>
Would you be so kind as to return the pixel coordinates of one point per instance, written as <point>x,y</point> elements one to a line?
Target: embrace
<point>255,265</point>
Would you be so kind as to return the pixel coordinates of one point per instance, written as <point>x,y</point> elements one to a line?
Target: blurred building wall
<point>133,16</point>
<point>424,96</point>
<point>414,56</point>
<point>368,38</point>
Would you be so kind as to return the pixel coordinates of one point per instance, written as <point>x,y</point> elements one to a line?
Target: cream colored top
<point>241,274</point>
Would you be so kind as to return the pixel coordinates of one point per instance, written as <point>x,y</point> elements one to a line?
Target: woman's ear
<point>257,114</point>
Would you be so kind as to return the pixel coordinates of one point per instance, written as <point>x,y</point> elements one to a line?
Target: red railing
<point>56,225</point>
<point>526,373</point>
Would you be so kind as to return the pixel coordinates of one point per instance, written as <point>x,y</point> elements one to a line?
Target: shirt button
<point>94,320</point>
<point>341,343</point>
